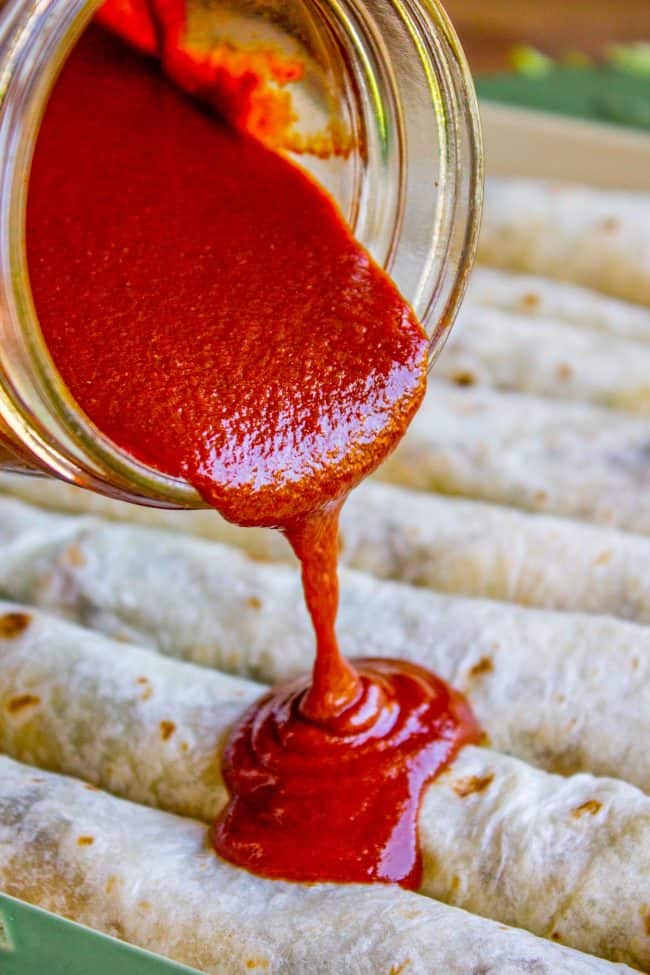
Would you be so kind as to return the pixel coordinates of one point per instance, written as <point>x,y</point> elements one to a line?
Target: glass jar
<point>386,121</point>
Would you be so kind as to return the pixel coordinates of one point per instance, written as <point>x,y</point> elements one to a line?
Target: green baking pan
<point>598,94</point>
<point>35,942</point>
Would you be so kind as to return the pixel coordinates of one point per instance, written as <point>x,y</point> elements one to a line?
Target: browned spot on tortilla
<point>556,936</point>
<point>564,372</point>
<point>111,884</point>
<point>144,905</point>
<point>85,840</point>
<point>22,701</point>
<point>464,378</point>
<point>207,845</point>
<point>645,914</point>
<point>115,929</point>
<point>473,783</point>
<point>257,963</point>
<point>254,602</point>
<point>591,806</point>
<point>254,556</point>
<point>540,497</point>
<point>74,556</point>
<point>455,883</point>
<point>167,729</point>
<point>560,698</point>
<point>610,224</point>
<point>13,624</point>
<point>184,746</point>
<point>482,666</point>
<point>603,557</point>
<point>91,787</point>
<point>529,302</point>
<point>635,663</point>
<point>398,969</point>
<point>148,689</point>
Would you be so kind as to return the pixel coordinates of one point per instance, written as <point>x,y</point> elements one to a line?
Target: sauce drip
<point>339,801</point>
<point>211,313</point>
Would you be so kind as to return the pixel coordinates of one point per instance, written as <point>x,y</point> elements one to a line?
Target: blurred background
<point>490,29</point>
<point>585,59</point>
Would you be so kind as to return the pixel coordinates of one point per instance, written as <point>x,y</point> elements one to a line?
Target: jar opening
<point>385,119</point>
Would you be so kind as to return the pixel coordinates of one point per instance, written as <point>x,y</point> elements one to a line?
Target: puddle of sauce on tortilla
<point>210,311</point>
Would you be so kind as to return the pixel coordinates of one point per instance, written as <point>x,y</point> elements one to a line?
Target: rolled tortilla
<point>496,348</point>
<point>149,878</point>
<point>593,237</point>
<point>500,838</point>
<point>537,297</point>
<point>566,692</point>
<point>572,459</point>
<point>569,858</point>
<point>124,718</point>
<point>443,543</point>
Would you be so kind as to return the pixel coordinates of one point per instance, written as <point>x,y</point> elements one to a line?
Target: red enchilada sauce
<point>212,314</point>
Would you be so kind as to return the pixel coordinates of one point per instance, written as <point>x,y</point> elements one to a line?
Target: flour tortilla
<point>592,237</point>
<point>567,858</point>
<point>536,297</point>
<point>572,459</point>
<point>567,692</point>
<point>533,355</point>
<point>149,878</point>
<point>500,838</point>
<point>447,544</point>
<point>127,719</point>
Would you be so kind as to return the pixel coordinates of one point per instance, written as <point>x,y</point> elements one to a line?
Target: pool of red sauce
<point>210,311</point>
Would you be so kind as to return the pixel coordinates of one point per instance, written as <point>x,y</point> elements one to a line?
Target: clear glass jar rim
<point>59,435</point>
